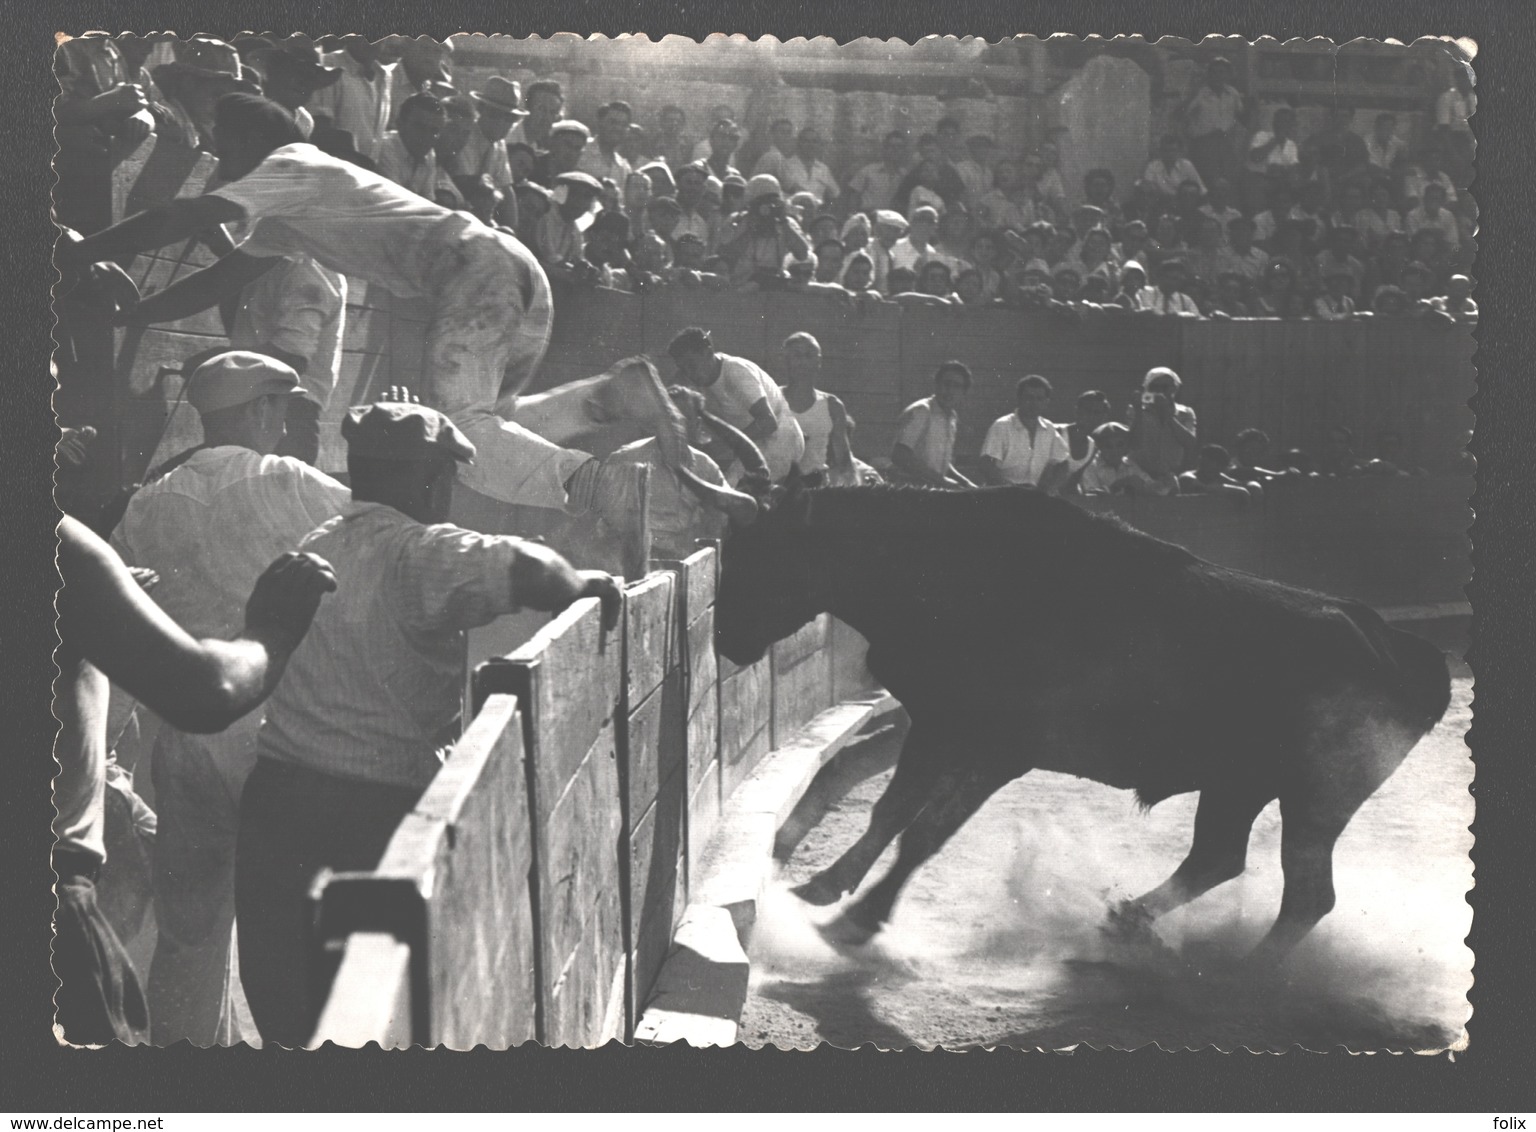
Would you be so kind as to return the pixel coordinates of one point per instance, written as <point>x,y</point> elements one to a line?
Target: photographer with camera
<point>1163,440</point>
<point>756,240</point>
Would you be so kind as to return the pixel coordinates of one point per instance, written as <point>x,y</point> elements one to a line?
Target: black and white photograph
<point>748,542</point>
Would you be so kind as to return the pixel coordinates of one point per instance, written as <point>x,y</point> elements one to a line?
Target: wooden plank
<point>704,664</point>
<point>657,743</point>
<point>703,818</point>
<point>650,631</point>
<point>805,641</point>
<point>370,1000</point>
<point>697,576</point>
<point>800,693</point>
<point>654,848</point>
<point>745,714</point>
<point>704,738</point>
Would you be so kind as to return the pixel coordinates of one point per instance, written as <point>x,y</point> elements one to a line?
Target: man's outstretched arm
<point>197,686</point>
<point>201,290</point>
<point>153,228</point>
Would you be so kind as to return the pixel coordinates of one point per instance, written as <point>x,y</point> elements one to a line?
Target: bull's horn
<point>740,509</point>
<point>740,444</point>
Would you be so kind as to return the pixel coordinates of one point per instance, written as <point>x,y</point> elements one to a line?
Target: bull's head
<point>754,492</point>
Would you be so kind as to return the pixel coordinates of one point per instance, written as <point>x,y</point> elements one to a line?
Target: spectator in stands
<point>1163,430</point>
<point>1212,118</point>
<point>459,122</point>
<point>975,168</point>
<point>1433,214</point>
<point>1416,279</point>
<point>900,281</point>
<point>1135,242</point>
<point>406,154</point>
<point>559,241</point>
<point>859,276</point>
<point>1272,152</point>
<point>822,416</point>
<point>1066,281</point>
<point>781,143</point>
<point>724,139</point>
<point>829,261</point>
<point>1010,204</point>
<point>202,70</point>
<point>1383,147</point>
<point>1167,240</point>
<point>1210,477</point>
<point>1208,257</point>
<point>604,160</point>
<point>1169,169</point>
<point>670,143</point>
<point>1111,470</point>
<point>1309,214</point>
<point>1392,255</point>
<point>637,198</point>
<point>1093,409</point>
<point>924,451</point>
<point>1454,108</point>
<point>1170,295</point>
<point>1023,447</point>
<point>874,186</point>
<point>484,152</point>
<point>1337,151</point>
<point>986,255</point>
<point>915,248</point>
<point>568,139</point>
<point>109,630</point>
<point>930,184</point>
<point>807,172</point>
<point>1099,191</point>
<point>359,102</point>
<point>1389,301</point>
<point>1251,458</point>
<point>1427,171</point>
<point>1048,185</point>
<point>1133,284</point>
<point>1218,204</point>
<point>741,393</point>
<point>607,249</point>
<point>1241,255</point>
<point>208,528</point>
<point>1338,458</point>
<point>952,245</point>
<point>372,700</point>
<point>545,105</point>
<point>1232,298</point>
<point>292,71</point>
<point>1342,252</point>
<point>757,241</point>
<point>691,268</point>
<point>100,117</point>
<point>691,182</point>
<point>1427,247</point>
<point>1457,303</point>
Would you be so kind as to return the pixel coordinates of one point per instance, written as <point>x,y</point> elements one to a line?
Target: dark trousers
<point>100,999</point>
<point>303,436</point>
<point>293,823</point>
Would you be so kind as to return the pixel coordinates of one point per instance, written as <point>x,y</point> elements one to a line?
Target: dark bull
<point>1020,632</point>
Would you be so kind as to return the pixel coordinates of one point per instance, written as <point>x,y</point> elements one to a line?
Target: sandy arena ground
<point>996,941</point>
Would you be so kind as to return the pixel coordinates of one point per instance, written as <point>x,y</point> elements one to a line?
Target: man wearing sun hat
<point>203,69</point>
<point>361,721</point>
<point>498,108</point>
<point>209,528</point>
<point>292,71</point>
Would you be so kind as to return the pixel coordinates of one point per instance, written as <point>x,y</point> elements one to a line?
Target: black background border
<point>1492,1075</point>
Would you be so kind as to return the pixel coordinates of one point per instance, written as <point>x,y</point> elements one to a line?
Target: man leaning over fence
<point>371,703</point>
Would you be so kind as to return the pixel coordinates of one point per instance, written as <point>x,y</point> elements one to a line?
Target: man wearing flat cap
<point>209,528</point>
<point>568,139</point>
<point>371,701</point>
<point>558,240</point>
<point>489,303</point>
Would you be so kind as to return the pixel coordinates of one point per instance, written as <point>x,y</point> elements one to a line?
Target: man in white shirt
<point>877,182</point>
<point>371,701</point>
<point>359,101</point>
<point>1211,117</point>
<point>807,172</point>
<point>489,301</point>
<point>1382,145</point>
<point>485,150</point>
<point>208,529</point>
<point>1023,447</point>
<point>916,247</point>
<point>741,393</point>
<point>407,156</point>
<point>924,451</point>
<point>604,159</point>
<point>781,144</point>
<point>1275,147</point>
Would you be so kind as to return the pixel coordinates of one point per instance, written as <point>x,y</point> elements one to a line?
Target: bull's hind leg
<point>1218,853</point>
<point>1352,750</point>
<point>911,786</point>
<point>937,823</point>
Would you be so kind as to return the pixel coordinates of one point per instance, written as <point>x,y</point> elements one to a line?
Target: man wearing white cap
<point>757,240</point>
<point>371,701</point>
<point>488,301</point>
<point>568,138</point>
<point>890,227</point>
<point>209,528</point>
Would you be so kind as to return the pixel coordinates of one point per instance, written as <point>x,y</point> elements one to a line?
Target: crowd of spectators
<point>1235,215</point>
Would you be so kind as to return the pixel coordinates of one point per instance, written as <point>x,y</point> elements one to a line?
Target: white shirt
<point>361,224</point>
<point>355,104</point>
<point>876,184</point>
<point>928,429</point>
<point>1384,156</point>
<point>816,424</point>
<point>594,161</point>
<point>419,174</point>
<point>815,178</point>
<point>771,163</point>
<point>482,157</point>
<point>374,690</point>
<point>1284,154</point>
<point>741,385</point>
<point>905,254</point>
<point>1022,458</point>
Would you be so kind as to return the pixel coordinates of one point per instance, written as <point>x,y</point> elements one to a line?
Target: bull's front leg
<point>914,783</point>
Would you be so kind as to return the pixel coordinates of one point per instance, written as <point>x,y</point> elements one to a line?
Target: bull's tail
<point>1417,669</point>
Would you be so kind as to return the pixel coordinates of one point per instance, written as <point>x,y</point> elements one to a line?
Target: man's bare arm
<point>153,228</point>
<point>764,423</point>
<point>197,686</point>
<point>543,580</point>
<point>201,290</point>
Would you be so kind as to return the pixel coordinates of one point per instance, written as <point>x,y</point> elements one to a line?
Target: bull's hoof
<point>845,931</point>
<point>818,891</point>
<point>1130,922</point>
